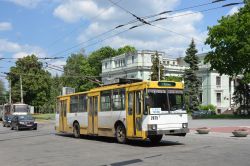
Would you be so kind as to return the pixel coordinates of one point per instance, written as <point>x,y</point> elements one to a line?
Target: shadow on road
<point>138,143</point>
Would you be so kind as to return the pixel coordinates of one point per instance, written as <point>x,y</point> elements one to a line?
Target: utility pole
<point>10,91</point>
<point>21,88</point>
<point>159,69</point>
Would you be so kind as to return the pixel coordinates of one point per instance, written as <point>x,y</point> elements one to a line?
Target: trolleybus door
<point>63,115</point>
<point>93,115</point>
<point>134,111</point>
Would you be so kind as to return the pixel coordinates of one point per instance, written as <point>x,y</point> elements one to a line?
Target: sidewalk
<point>225,129</point>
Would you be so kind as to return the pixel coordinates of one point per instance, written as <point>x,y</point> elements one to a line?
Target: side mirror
<point>146,110</point>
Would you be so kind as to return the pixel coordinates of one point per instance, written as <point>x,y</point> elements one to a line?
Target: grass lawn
<point>44,116</point>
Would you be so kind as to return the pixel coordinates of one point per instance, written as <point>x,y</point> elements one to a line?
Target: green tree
<point>230,43</point>
<point>190,78</point>
<point>173,78</point>
<point>156,66</point>
<point>2,93</point>
<point>35,80</point>
<point>56,88</point>
<point>242,94</point>
<point>78,73</point>
<point>126,49</point>
<point>96,57</point>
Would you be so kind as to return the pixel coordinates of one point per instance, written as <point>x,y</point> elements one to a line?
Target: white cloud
<point>26,3</point>
<point>19,50</point>
<point>8,46</point>
<point>5,26</point>
<point>235,9</point>
<point>179,30</point>
<point>74,10</point>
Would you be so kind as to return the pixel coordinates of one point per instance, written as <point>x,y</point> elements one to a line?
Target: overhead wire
<point>78,27</point>
<point>138,19</point>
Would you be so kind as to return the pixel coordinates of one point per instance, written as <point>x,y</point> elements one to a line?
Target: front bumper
<point>23,126</point>
<point>177,132</point>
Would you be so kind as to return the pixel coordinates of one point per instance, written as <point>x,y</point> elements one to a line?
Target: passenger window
<point>118,100</point>
<point>73,104</point>
<point>82,103</point>
<point>106,101</point>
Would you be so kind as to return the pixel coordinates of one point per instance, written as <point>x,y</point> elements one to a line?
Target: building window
<point>218,97</point>
<point>123,62</point>
<point>218,81</point>
<point>164,62</point>
<point>106,101</point>
<point>200,97</point>
<point>133,59</point>
<point>173,63</point>
<point>118,100</point>
<point>219,111</point>
<point>116,64</point>
<point>106,65</point>
<point>168,62</point>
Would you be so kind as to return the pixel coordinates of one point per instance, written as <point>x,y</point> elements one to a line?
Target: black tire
<point>3,125</point>
<point>35,128</point>
<point>11,128</point>
<point>155,139</point>
<point>76,130</point>
<point>120,133</point>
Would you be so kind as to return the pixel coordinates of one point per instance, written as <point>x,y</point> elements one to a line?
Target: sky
<point>57,28</point>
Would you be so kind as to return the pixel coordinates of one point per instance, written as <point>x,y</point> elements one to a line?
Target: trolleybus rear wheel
<point>121,134</point>
<point>76,130</point>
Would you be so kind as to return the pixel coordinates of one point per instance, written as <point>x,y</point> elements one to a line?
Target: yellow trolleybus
<point>128,109</point>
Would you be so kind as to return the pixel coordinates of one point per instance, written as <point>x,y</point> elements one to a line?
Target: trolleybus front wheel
<point>121,134</point>
<point>76,130</point>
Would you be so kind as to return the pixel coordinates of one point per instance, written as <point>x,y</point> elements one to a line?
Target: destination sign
<point>166,83</point>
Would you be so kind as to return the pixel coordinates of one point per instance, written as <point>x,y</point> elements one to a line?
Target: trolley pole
<point>21,88</point>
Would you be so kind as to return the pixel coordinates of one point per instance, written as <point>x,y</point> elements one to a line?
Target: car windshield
<point>9,117</point>
<point>157,98</point>
<point>21,108</point>
<point>25,117</point>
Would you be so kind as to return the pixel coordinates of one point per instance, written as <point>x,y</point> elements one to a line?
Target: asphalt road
<point>43,147</point>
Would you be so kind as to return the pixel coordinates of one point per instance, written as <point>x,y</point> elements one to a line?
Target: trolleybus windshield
<point>167,100</point>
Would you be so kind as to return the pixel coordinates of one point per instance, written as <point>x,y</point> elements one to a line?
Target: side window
<point>82,103</point>
<point>138,103</point>
<point>106,101</point>
<point>73,104</point>
<point>130,103</point>
<point>118,100</point>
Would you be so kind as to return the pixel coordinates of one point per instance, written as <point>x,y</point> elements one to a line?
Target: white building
<point>217,90</point>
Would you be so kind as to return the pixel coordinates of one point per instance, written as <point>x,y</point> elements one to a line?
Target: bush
<point>207,107</point>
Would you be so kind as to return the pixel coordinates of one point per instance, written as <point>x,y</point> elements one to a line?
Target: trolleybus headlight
<point>184,125</point>
<point>152,127</point>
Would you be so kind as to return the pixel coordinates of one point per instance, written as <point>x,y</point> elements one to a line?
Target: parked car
<point>23,122</point>
<point>201,113</point>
